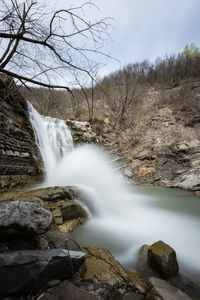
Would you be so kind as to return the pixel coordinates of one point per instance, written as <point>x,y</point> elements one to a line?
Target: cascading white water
<point>121,219</point>
<point>53,138</point>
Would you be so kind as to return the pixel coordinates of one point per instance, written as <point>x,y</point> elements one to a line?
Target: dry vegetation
<point>120,96</point>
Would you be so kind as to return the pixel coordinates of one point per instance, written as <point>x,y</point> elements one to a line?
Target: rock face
<point>100,264</point>
<point>19,157</point>
<point>25,271</point>
<point>163,258</point>
<point>161,145</point>
<point>82,132</point>
<point>23,218</point>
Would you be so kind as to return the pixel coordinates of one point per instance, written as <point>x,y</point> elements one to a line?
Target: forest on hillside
<point>119,95</point>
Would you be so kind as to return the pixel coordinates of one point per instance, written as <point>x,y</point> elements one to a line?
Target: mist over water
<point>122,218</point>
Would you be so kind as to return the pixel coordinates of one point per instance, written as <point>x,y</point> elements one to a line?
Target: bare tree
<point>44,47</point>
<point>126,88</point>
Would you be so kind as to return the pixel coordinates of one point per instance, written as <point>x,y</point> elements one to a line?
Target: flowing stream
<point>122,218</point>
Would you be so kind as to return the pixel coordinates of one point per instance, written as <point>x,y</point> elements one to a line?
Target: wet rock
<point>178,280</point>
<point>163,290</point>
<point>23,218</point>
<point>66,291</point>
<point>66,212</point>
<point>163,258</point>
<point>58,239</point>
<point>100,264</point>
<point>25,272</point>
<point>73,210</point>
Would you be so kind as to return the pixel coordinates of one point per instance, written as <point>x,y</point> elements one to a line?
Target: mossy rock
<point>163,259</point>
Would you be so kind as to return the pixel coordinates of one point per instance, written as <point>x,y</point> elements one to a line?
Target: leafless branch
<point>46,45</point>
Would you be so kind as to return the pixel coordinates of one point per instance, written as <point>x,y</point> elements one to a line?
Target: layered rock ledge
<point>20,161</point>
<point>63,203</point>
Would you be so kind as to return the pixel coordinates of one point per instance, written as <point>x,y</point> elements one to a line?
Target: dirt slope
<point>163,146</point>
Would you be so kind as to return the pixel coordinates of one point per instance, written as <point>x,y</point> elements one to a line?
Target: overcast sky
<point>147,29</point>
<point>143,29</point>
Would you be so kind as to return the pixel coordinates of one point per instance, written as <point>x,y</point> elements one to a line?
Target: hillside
<point>162,147</point>
<point>158,139</point>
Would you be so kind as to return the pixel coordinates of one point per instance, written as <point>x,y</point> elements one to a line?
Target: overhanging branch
<point>17,76</point>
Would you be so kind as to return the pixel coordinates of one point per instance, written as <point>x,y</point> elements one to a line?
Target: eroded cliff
<point>20,160</point>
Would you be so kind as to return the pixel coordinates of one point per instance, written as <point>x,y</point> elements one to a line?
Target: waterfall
<point>121,218</point>
<point>53,138</point>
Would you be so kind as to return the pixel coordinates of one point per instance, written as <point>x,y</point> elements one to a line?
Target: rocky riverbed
<point>39,258</point>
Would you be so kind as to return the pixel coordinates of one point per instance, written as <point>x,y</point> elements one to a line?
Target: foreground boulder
<point>23,218</point>
<point>163,258</point>
<point>25,272</point>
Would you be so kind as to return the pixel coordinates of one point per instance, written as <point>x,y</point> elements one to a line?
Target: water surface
<point>149,214</point>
